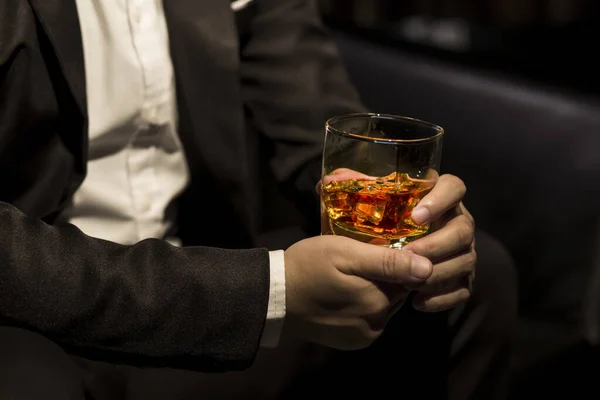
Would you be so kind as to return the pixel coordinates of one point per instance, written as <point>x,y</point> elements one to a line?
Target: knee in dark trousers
<point>483,329</point>
<point>32,368</point>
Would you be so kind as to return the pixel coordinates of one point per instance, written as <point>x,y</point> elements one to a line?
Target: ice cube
<point>339,205</point>
<point>372,209</point>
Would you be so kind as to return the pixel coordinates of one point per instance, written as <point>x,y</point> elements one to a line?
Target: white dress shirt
<point>136,165</point>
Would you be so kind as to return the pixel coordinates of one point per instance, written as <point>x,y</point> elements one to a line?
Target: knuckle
<point>471,222</point>
<point>467,214</point>
<point>376,304</point>
<point>472,263</point>
<point>462,296</point>
<point>465,232</point>
<point>371,336</point>
<point>391,260</point>
<point>456,182</point>
<point>432,305</point>
<point>469,261</point>
<point>362,336</point>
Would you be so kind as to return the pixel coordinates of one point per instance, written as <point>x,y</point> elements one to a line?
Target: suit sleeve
<point>148,304</point>
<point>293,81</point>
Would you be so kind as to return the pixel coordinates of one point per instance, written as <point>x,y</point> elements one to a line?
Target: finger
<point>392,291</point>
<point>442,301</point>
<point>383,264</point>
<point>396,296</point>
<point>447,193</point>
<point>383,303</point>
<point>456,236</point>
<point>463,210</point>
<point>397,305</point>
<point>445,219</point>
<point>451,269</point>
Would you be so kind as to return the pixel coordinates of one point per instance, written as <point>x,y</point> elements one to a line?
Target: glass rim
<point>439,130</point>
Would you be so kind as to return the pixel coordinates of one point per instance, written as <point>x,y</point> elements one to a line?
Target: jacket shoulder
<point>17,24</point>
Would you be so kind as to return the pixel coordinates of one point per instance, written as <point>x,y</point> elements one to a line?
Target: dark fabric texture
<point>151,303</point>
<point>483,330</point>
<point>292,82</point>
<point>32,367</point>
<point>461,355</point>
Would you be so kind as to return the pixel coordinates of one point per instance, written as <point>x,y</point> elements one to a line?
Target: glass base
<point>392,243</point>
<point>401,242</point>
<point>398,244</point>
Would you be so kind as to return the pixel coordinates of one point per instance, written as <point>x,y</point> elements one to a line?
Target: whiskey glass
<point>376,169</point>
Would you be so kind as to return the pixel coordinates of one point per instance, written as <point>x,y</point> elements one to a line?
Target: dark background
<point>554,41</point>
<point>515,85</point>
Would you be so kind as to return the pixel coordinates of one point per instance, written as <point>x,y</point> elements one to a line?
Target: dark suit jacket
<point>254,89</point>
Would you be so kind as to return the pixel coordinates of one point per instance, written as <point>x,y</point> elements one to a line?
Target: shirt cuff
<point>276,306</point>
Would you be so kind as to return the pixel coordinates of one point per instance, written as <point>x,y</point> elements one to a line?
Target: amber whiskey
<point>378,208</point>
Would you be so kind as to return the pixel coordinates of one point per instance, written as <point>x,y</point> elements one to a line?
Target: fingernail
<point>421,215</point>
<point>420,267</point>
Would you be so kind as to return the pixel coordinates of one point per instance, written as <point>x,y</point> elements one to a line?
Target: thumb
<point>387,265</point>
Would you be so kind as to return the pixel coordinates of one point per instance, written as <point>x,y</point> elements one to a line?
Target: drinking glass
<point>376,169</point>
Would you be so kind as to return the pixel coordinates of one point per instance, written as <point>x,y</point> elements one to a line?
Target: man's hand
<point>341,293</point>
<point>450,247</point>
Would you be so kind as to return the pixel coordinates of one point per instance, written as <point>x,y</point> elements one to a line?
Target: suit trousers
<point>457,355</point>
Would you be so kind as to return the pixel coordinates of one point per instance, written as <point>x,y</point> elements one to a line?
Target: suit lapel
<point>205,53</point>
<point>60,22</point>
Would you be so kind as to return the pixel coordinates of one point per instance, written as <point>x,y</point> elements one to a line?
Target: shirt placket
<point>156,73</point>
